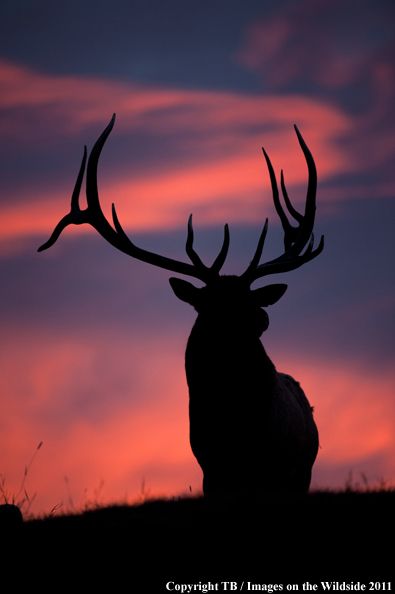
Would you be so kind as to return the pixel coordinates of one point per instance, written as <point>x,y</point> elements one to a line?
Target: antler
<point>295,238</point>
<point>94,216</point>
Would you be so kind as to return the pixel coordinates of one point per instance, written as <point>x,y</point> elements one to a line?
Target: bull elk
<point>251,427</point>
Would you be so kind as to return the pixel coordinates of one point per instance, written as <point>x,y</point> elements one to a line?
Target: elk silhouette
<point>251,427</point>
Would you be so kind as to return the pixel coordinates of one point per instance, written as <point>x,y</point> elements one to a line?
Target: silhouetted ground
<point>276,538</point>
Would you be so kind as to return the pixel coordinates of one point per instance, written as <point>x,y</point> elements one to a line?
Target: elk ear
<point>268,295</point>
<point>184,290</point>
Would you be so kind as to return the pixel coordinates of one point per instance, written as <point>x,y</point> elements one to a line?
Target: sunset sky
<point>92,341</point>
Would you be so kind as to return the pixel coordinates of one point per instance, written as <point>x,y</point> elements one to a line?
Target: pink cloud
<point>87,101</point>
<point>225,133</point>
<point>325,45</point>
<point>221,133</point>
<point>354,411</point>
<point>344,56</point>
<point>134,426</point>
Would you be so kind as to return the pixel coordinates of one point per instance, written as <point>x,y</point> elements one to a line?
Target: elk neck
<point>224,348</point>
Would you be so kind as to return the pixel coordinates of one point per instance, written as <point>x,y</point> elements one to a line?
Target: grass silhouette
<point>19,500</point>
<point>282,537</point>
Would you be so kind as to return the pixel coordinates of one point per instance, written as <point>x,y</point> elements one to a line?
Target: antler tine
<point>295,238</point>
<point>75,213</point>
<point>124,244</point>
<point>189,248</point>
<point>195,259</point>
<point>220,259</point>
<point>93,213</point>
<point>306,227</point>
<point>288,229</point>
<point>257,256</point>
<point>96,216</point>
<point>296,215</point>
<point>291,233</point>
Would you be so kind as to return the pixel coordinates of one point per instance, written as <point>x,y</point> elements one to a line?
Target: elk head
<point>295,238</point>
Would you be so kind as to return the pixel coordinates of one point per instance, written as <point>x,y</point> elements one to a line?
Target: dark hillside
<point>276,538</point>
